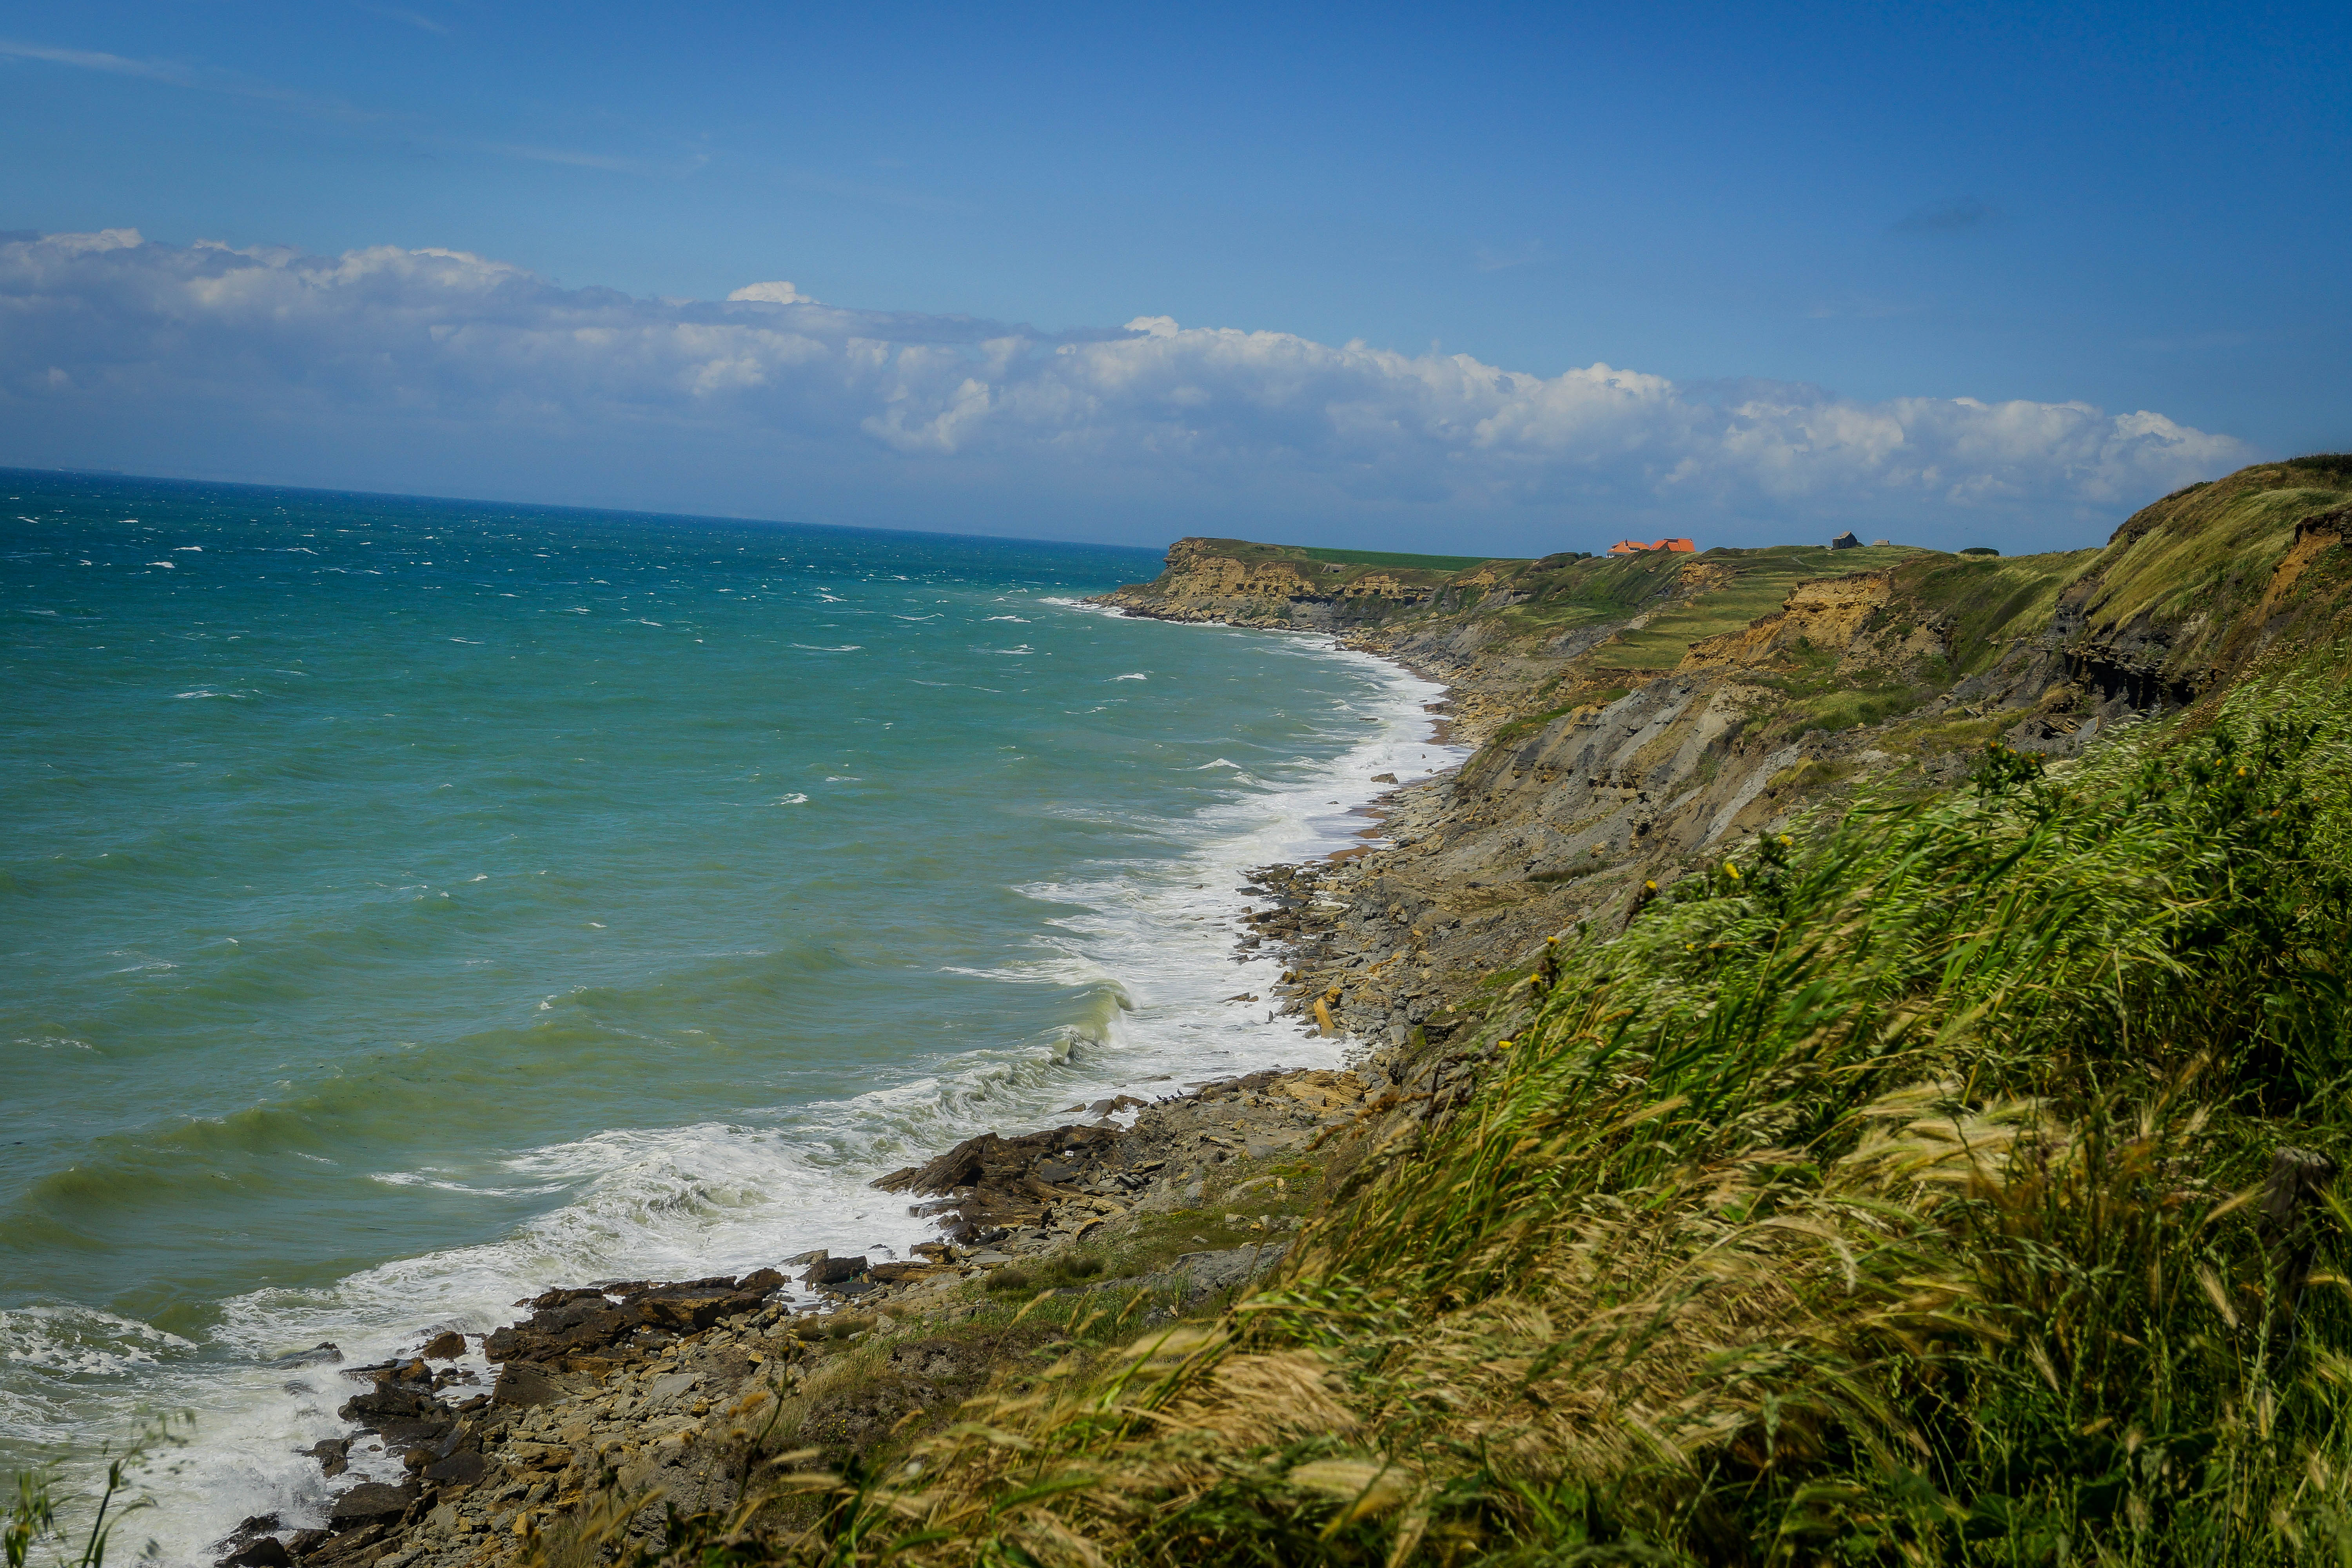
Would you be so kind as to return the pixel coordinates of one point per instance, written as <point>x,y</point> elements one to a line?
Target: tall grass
<point>1890,1192</point>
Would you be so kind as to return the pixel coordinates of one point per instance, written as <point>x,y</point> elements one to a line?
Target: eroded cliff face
<point>1626,732</point>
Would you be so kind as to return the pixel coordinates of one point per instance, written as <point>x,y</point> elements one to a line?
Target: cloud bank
<point>439,372</point>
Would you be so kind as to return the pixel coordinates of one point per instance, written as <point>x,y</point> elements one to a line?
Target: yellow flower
<point>1731,870</point>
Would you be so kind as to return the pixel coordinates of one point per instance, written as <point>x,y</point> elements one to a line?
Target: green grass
<point>1986,601</point>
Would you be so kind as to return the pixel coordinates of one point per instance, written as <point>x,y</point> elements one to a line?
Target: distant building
<point>1845,541</point>
<point>1635,547</point>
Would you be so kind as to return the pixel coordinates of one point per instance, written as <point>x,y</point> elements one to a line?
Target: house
<point>1635,547</point>
<point>1845,541</point>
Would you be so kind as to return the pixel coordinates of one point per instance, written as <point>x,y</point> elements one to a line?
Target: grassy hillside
<point>1893,1191</point>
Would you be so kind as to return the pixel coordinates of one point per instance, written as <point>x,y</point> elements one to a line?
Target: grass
<point>1893,1193</point>
<point>31,1530</point>
<point>1986,601</point>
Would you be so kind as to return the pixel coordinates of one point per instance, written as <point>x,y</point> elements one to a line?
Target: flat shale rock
<point>369,1502</point>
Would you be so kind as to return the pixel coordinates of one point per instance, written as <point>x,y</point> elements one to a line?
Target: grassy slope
<point>1878,1198</point>
<point>2191,566</point>
<point>1986,604</point>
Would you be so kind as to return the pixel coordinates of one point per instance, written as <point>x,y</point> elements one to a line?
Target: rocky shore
<point>608,1404</point>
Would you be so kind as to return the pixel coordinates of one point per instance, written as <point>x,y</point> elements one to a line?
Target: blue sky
<point>1856,214</point>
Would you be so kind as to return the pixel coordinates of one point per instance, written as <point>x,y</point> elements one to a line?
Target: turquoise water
<point>408,904</point>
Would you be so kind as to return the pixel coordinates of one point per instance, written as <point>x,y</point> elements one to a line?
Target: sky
<point>1480,278</point>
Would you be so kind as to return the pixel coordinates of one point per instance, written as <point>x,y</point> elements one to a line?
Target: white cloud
<point>439,370</point>
<point>770,294</point>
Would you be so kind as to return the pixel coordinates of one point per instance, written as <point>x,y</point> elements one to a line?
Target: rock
<point>368,1503</point>
<point>991,1178</point>
<point>760,1281</point>
<point>670,1387</point>
<point>689,1309</point>
<point>524,1383</point>
<point>324,1351</point>
<point>1209,1271</point>
<point>266,1553</point>
<point>462,1469</point>
<point>385,1403</point>
<point>333,1455</point>
<point>445,1347</point>
<point>834,1270</point>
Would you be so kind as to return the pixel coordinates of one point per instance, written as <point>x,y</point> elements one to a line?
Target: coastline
<point>430,1439</point>
<point>600,1421</point>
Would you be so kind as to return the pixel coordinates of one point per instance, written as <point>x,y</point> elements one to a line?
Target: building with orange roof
<point>1635,547</point>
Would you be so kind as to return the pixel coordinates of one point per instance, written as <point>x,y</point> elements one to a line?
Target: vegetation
<point>1904,1190</point>
<point>31,1533</point>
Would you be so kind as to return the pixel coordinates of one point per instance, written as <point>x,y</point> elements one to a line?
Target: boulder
<point>523,1383</point>
<point>266,1553</point>
<point>389,1401</point>
<point>688,1309</point>
<point>445,1347</point>
<point>461,1469</point>
<point>368,1503</point>
<point>834,1270</point>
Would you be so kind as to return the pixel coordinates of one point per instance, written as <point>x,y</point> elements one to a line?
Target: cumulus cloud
<point>770,294</point>
<point>439,370</point>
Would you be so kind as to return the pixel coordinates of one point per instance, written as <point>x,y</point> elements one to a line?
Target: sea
<point>407,905</point>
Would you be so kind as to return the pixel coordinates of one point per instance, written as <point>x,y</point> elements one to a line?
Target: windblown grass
<point>1892,1192</point>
